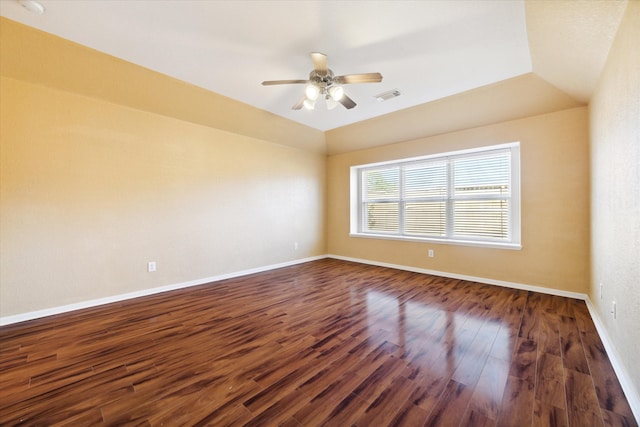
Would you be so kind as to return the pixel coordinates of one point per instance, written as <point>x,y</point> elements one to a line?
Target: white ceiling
<point>427,50</point>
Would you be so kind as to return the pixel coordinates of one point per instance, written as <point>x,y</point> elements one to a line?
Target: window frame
<point>358,218</point>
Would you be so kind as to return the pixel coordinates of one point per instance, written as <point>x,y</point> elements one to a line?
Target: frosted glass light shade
<point>331,103</point>
<point>312,91</point>
<point>309,104</point>
<point>336,92</point>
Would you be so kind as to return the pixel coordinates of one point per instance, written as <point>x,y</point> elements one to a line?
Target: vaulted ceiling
<point>428,50</point>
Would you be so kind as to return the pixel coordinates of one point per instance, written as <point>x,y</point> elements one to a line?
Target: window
<point>465,197</point>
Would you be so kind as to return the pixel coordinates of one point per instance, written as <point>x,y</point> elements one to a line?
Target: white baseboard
<point>513,285</point>
<point>625,380</point>
<point>7,320</point>
<point>623,377</point>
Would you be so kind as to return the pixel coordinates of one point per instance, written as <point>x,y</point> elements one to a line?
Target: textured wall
<point>106,166</point>
<point>91,191</point>
<point>615,192</point>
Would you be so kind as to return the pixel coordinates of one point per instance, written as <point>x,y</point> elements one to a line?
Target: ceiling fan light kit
<point>312,91</point>
<point>323,83</point>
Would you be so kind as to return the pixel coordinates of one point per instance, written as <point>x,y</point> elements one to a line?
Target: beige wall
<point>465,110</point>
<point>615,182</point>
<point>555,205</point>
<point>91,191</point>
<point>34,56</point>
<point>106,166</point>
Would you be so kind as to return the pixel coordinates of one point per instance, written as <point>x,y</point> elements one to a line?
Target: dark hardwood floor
<point>326,343</point>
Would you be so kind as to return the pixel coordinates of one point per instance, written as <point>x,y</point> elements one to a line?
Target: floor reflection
<point>431,339</point>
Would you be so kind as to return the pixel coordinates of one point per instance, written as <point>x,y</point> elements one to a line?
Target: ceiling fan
<point>322,83</point>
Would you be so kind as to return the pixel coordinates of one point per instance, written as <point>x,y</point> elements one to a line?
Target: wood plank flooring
<point>326,343</point>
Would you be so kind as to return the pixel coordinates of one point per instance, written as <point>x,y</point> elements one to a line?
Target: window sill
<point>492,245</point>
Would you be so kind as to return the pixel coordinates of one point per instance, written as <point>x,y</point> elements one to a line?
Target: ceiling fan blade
<point>347,102</point>
<point>298,105</point>
<point>359,78</point>
<point>319,62</point>
<point>283,82</point>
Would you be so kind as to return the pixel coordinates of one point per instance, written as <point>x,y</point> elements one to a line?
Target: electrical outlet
<point>430,253</point>
<point>613,309</point>
<point>295,246</point>
<point>151,266</point>
<point>601,289</point>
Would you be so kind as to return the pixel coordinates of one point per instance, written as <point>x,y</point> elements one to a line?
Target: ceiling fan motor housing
<point>320,79</point>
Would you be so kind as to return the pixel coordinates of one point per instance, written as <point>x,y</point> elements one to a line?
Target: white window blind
<point>465,196</point>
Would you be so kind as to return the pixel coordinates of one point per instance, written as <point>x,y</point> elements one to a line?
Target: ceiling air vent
<point>384,96</point>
